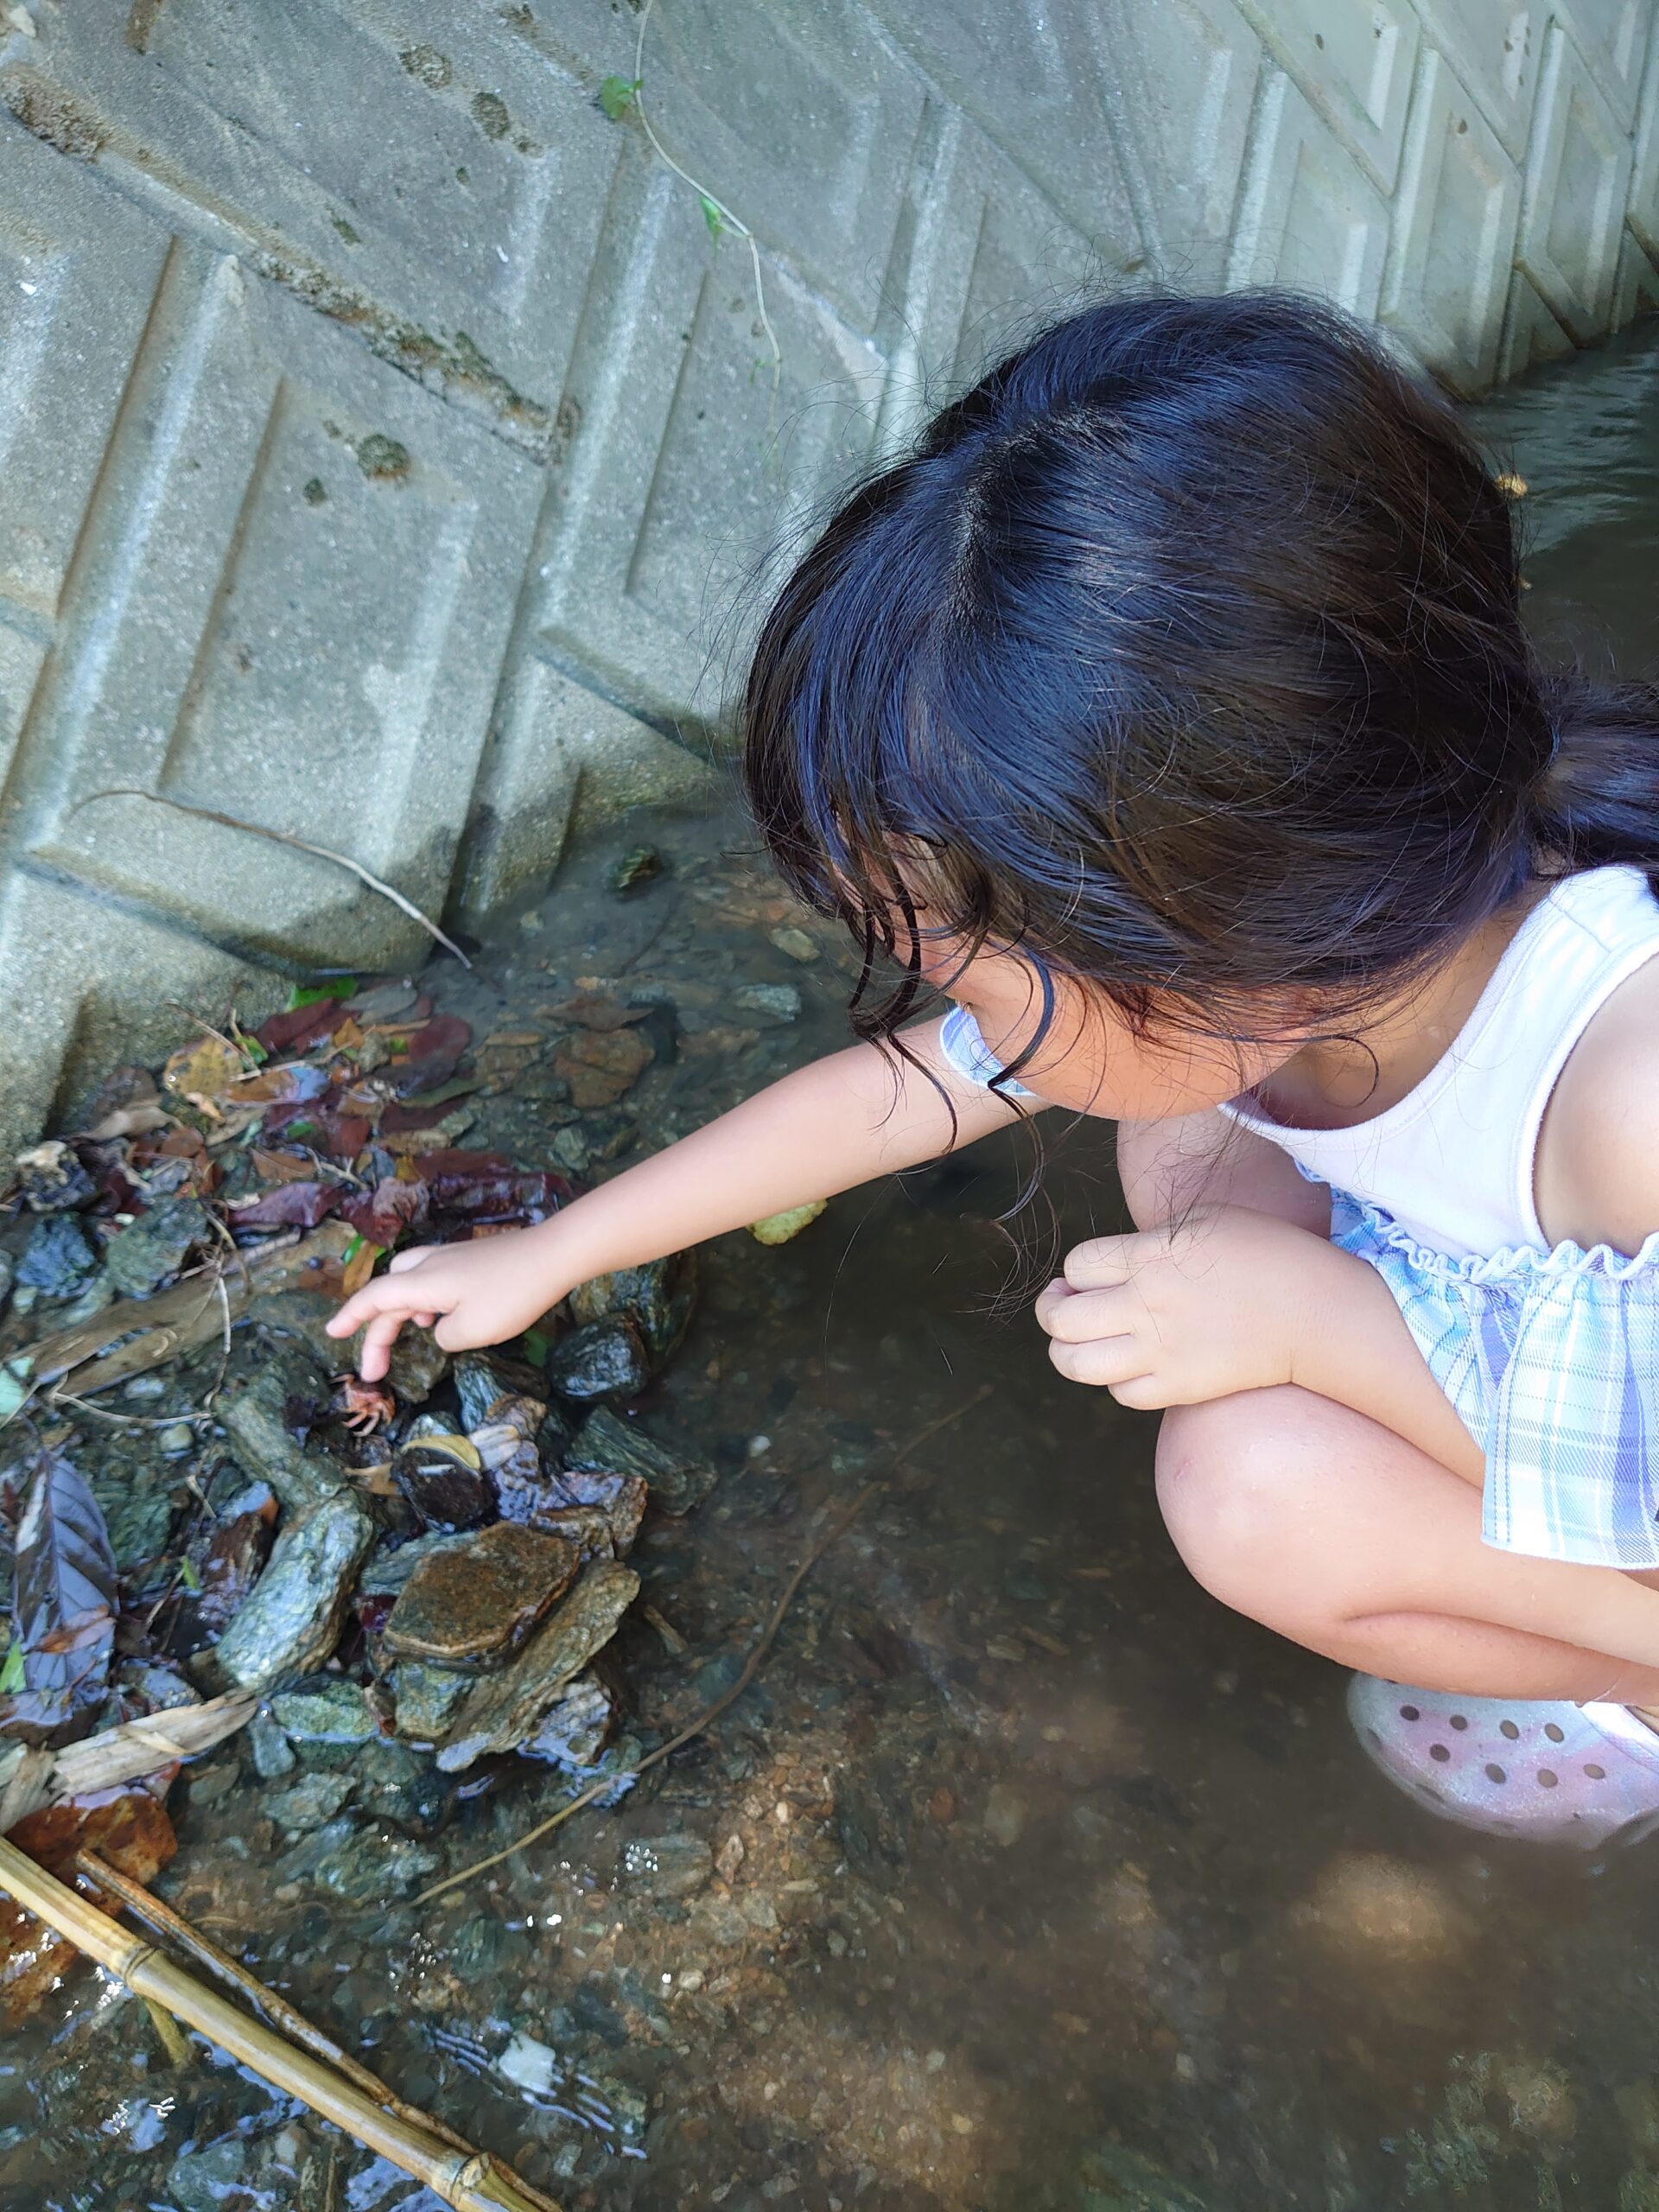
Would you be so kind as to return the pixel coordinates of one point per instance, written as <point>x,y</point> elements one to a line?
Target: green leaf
<point>252,1049</point>
<point>339,987</point>
<point>618,96</point>
<point>11,1675</point>
<point>352,1250</point>
<point>188,1576</point>
<point>537,1347</point>
<point>712,216</point>
<point>302,1130</point>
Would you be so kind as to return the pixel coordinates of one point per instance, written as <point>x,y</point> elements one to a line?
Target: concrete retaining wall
<point>382,432</point>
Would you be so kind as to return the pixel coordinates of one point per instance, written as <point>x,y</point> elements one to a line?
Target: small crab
<point>364,1406</point>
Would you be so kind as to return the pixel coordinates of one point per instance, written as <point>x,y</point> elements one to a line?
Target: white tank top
<point>1452,1162</point>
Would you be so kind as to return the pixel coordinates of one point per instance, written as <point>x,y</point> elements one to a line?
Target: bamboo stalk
<point>467,2182</point>
<point>276,2008</point>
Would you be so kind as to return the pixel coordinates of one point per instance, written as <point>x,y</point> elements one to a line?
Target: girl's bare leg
<point>1332,1530</point>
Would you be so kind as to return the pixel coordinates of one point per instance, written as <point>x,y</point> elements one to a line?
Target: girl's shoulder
<point>1596,1172</point>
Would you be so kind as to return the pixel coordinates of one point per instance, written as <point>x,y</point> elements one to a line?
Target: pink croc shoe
<point>1551,1773</point>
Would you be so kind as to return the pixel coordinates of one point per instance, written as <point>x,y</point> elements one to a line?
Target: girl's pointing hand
<point>1190,1311</point>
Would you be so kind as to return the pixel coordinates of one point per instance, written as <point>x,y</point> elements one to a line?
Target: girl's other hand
<point>1181,1314</point>
<point>472,1295</point>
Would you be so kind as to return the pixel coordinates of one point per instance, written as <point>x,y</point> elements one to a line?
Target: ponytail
<point>1598,805</point>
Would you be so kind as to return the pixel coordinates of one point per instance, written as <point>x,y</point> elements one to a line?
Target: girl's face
<point>1090,1061</point>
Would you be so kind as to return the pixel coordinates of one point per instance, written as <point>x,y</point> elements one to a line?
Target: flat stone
<point>261,1416</point>
<point>292,1622</point>
<point>151,1250</point>
<point>665,1867</point>
<point>270,1749</point>
<point>471,1606</point>
<point>311,1802</point>
<point>504,1709</point>
<point>576,1728</point>
<point>331,1711</point>
<point>772,1002</point>
<point>658,1298</point>
<point>359,1865</point>
<point>677,1480</point>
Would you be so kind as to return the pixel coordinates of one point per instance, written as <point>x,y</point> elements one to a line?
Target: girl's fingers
<point>1104,1261</point>
<point>400,1262</point>
<point>1075,1316</point>
<point>378,1339</point>
<point>1102,1362</point>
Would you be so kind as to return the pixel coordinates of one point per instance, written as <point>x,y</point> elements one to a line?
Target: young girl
<point>1169,709</point>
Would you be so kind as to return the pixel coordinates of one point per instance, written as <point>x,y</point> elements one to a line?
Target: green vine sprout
<point>622,96</point>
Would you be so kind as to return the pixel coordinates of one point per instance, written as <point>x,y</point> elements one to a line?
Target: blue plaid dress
<point>1552,1360</point>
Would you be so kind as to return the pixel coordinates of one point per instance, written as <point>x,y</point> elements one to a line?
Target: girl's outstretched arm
<point>825,1129</point>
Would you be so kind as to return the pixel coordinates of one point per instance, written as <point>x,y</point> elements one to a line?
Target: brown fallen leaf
<point>130,1831</point>
<point>600,1065</point>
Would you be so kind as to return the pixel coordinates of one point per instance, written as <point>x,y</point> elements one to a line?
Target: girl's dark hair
<point>1185,654</point>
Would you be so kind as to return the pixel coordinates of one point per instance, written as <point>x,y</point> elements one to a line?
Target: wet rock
<point>660,1868</point>
<point>772,1002</point>
<point>504,1709</point>
<point>621,1498</point>
<point>268,1748</point>
<point>606,1359</point>
<point>359,1865</point>
<point>175,1441</point>
<point>600,1065</point>
<point>229,1554</point>
<point>576,1726</point>
<point>50,1178</point>
<point>395,1783</point>
<point>60,1258</point>
<point>311,1801</point>
<point>677,1480</point>
<point>428,1699</point>
<point>481,1378</point>
<point>636,869</point>
<point>153,1249</point>
<point>471,1607</point>
<point>658,1298</point>
<point>269,1418</point>
<point>796,943</point>
<point>388,1571</point>
<point>1116,2179</point>
<point>330,1712</point>
<point>8,1271</point>
<point>206,2180</point>
<point>292,1622</point>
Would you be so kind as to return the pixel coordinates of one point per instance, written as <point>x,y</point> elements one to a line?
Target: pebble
<point>270,1749</point>
<point>311,1802</point>
<point>772,1002</point>
<point>665,1867</point>
<point>60,1258</point>
<point>155,1247</point>
<point>780,1228</point>
<point>331,1711</point>
<point>175,1439</point>
<point>605,1359</point>
<point>1005,1815</point>
<point>428,1698</point>
<point>796,943</point>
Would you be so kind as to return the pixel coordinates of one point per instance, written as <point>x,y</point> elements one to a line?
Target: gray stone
<point>152,1250</point>
<point>576,1728</point>
<point>59,1257</point>
<point>314,1800</point>
<point>388,1571</point>
<point>358,1865</point>
<point>772,1002</point>
<point>678,1481</point>
<point>504,1709</point>
<point>666,1866</point>
<point>260,1415</point>
<point>205,2180</point>
<point>601,1359</point>
<point>270,1749</point>
<point>329,1710</point>
<point>292,1622</point>
<point>428,1699</point>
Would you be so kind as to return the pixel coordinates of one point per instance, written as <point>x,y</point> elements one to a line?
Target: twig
<point>471,2182</point>
<point>731,221</point>
<point>281,2014</point>
<point>751,1666</point>
<point>283,838</point>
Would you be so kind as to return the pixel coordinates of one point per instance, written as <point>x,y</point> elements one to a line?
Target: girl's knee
<point>1232,1486</point>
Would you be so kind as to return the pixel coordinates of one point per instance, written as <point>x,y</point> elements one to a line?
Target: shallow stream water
<point>1025,1877</point>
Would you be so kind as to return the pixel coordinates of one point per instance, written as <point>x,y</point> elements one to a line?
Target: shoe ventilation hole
<point>1458,1721</point>
<point>1596,1773</point>
<point>1545,1779</point>
<point>1555,1735</point>
<point>1494,1772</point>
<point>1439,1752</point>
<point>1507,1728</point>
<point>1409,1713</point>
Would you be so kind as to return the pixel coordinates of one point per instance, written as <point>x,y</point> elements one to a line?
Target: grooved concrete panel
<point>392,453</point>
